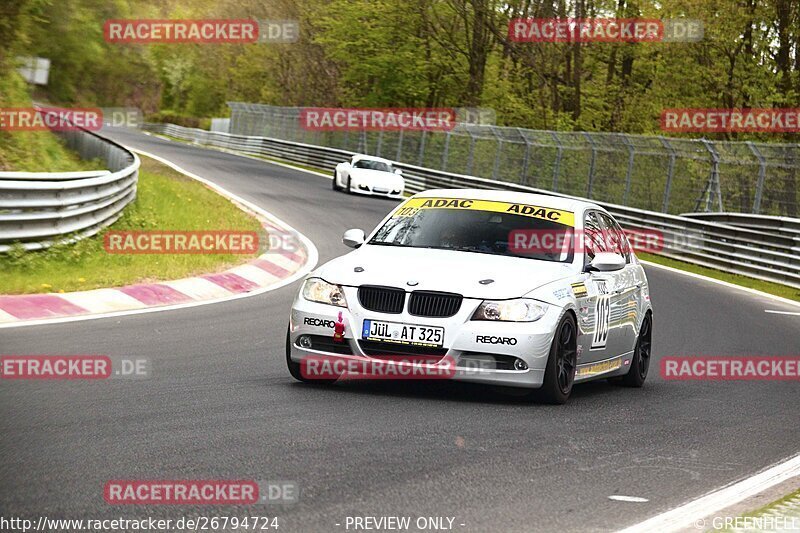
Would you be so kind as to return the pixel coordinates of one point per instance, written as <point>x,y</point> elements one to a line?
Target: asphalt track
<point>221,405</point>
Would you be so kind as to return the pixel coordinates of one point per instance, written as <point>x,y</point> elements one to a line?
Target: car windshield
<point>495,228</point>
<point>372,165</point>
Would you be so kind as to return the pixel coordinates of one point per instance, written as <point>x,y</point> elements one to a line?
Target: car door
<point>630,283</point>
<point>605,307</point>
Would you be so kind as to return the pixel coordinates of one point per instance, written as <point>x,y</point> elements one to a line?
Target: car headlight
<point>520,310</point>
<point>319,290</point>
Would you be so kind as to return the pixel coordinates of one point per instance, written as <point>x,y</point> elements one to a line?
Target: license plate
<point>415,335</point>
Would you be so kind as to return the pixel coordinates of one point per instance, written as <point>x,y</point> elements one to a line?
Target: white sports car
<point>365,174</point>
<point>504,288</point>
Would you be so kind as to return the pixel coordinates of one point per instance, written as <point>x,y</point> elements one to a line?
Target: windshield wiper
<point>389,243</point>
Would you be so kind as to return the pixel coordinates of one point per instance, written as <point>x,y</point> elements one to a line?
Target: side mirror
<point>607,262</point>
<point>353,238</point>
<point>398,172</point>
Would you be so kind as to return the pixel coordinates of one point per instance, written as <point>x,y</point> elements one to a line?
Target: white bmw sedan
<point>365,174</point>
<point>521,290</point>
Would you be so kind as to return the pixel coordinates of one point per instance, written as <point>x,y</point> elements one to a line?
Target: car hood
<point>442,270</point>
<point>375,176</point>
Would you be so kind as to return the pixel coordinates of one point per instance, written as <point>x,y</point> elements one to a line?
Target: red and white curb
<point>269,271</point>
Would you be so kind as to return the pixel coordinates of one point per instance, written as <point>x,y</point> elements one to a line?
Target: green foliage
<point>170,117</point>
<point>32,151</point>
<point>423,53</point>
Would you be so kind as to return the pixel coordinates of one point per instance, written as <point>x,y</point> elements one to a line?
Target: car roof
<point>543,200</point>
<point>358,157</point>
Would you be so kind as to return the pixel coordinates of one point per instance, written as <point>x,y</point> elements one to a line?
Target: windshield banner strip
<point>410,208</point>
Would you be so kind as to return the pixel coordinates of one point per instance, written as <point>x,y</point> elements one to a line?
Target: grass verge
<point>780,514</point>
<point>166,200</point>
<point>777,289</point>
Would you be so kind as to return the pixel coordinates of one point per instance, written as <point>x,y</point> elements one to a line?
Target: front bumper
<point>473,345</point>
<point>377,190</point>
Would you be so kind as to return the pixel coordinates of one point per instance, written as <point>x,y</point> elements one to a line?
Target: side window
<point>615,238</point>
<point>592,236</point>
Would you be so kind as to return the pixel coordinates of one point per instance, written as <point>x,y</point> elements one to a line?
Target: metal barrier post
<point>471,155</point>
<point>762,170</point>
<point>362,142</point>
<point>379,147</point>
<point>713,180</point>
<point>525,158</point>
<point>670,171</point>
<point>400,146</point>
<point>446,151</point>
<point>591,165</point>
<point>557,162</point>
<point>498,153</point>
<point>629,172</point>
<point>421,157</point>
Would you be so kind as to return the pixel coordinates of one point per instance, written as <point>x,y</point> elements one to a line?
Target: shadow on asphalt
<point>458,391</point>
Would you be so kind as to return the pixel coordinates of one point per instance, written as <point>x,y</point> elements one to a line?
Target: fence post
<point>591,165</point>
<point>670,172</point>
<point>399,146</point>
<point>524,177</point>
<point>629,172</point>
<point>498,153</point>
<point>362,143</point>
<point>762,172</point>
<point>421,157</point>
<point>557,164</point>
<point>713,179</point>
<point>471,155</point>
<point>379,147</point>
<point>446,151</point>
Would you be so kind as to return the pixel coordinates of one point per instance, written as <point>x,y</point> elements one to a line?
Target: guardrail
<point>774,225</point>
<point>39,209</point>
<point>740,250</point>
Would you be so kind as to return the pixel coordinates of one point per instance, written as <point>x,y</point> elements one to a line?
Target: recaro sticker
<point>412,206</point>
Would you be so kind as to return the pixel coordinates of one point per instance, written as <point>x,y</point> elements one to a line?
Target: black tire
<point>294,368</point>
<point>335,187</point>
<point>349,190</point>
<point>641,356</point>
<point>559,374</point>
